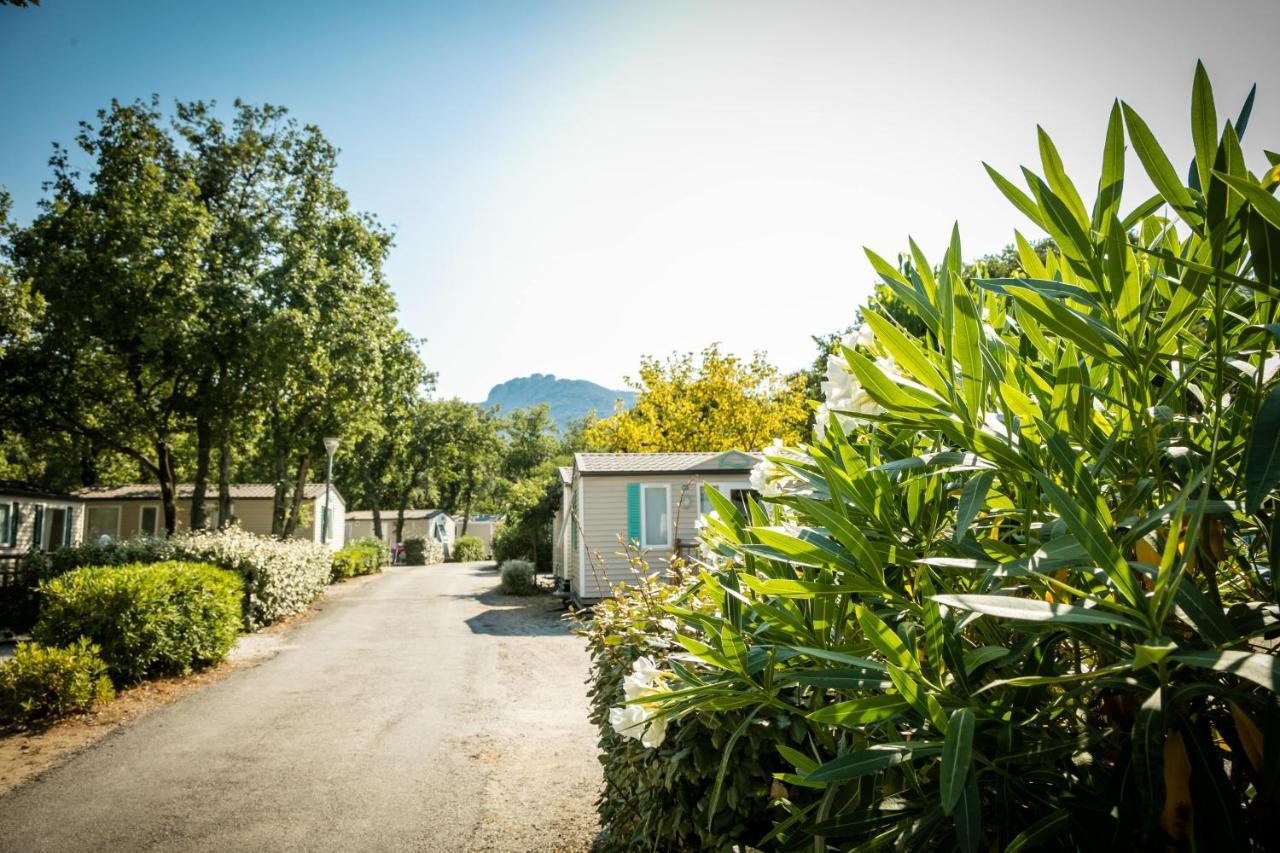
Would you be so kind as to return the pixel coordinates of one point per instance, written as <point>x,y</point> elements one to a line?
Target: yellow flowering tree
<point>714,402</point>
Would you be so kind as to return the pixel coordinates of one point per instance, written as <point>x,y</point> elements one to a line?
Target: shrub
<point>41,683</point>
<point>658,798</point>
<point>281,576</point>
<point>517,578</point>
<point>1015,590</point>
<point>423,552</point>
<point>359,558</point>
<point>147,619</point>
<point>468,549</point>
<point>383,549</point>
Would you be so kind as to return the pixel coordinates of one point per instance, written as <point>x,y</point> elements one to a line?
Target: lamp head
<point>330,444</point>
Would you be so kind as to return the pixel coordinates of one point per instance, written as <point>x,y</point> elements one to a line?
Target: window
<point>149,521</point>
<point>737,496</point>
<point>102,521</point>
<point>59,527</point>
<point>37,526</point>
<point>655,516</point>
<point>6,525</point>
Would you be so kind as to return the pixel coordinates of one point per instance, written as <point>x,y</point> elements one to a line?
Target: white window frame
<point>119,510</point>
<point>7,527</point>
<point>159,528</point>
<point>644,522</point>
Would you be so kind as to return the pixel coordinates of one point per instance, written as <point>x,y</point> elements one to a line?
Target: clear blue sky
<point>573,185</point>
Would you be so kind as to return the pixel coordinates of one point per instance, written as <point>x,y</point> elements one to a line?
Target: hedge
<point>148,619</point>
<point>45,683</point>
<point>358,558</point>
<point>423,552</point>
<point>281,576</point>
<point>468,549</point>
<point>659,798</point>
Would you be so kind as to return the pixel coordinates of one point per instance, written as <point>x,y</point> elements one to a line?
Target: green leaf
<point>1204,126</point>
<point>1159,169</point>
<point>1262,467</point>
<point>885,640</point>
<point>1261,200</point>
<point>968,817</point>
<point>785,588</point>
<point>1056,176</point>
<point>967,350</point>
<point>839,679</point>
<point>1261,669</point>
<point>864,762</point>
<point>957,757</point>
<point>860,712</point>
<point>972,498</point>
<point>1084,526</point>
<point>1111,180</point>
<point>1020,200</point>
<point>797,759</point>
<point>1052,826</point>
<point>1033,610</point>
<point>906,352</point>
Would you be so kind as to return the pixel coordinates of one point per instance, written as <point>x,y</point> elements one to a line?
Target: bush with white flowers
<point>281,576</point>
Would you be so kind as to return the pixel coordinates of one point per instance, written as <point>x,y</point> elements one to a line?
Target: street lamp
<point>330,445</point>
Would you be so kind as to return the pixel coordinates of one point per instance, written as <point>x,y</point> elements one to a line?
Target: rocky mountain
<point>568,399</point>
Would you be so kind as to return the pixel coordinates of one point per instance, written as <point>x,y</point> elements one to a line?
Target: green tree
<point>116,260</point>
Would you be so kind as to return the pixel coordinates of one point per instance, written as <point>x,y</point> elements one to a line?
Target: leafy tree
<point>717,402</point>
<point>115,259</point>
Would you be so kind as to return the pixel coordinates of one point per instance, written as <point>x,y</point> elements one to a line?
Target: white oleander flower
<point>639,720</point>
<point>863,337</point>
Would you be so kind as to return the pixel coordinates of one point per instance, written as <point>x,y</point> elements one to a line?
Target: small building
<point>653,500</point>
<point>32,517</point>
<point>136,510</point>
<point>559,553</point>
<point>418,524</point>
<point>484,528</point>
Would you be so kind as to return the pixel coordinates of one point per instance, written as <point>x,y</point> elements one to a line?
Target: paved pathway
<point>418,711</point>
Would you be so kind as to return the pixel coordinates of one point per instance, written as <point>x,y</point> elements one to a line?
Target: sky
<point>575,185</point>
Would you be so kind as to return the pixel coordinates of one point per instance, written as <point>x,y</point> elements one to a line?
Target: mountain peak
<point>568,399</point>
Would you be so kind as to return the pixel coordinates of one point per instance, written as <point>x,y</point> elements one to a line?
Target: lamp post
<point>330,445</point>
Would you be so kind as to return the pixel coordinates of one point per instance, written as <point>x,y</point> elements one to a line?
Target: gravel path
<point>420,710</point>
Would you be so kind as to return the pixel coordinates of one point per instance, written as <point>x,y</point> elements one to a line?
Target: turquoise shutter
<point>633,512</point>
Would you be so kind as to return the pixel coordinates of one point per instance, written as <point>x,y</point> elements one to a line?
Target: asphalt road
<point>418,710</point>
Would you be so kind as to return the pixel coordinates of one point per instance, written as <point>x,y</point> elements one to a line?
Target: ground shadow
<point>519,616</point>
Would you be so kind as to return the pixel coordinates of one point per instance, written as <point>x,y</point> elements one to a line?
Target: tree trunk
<point>466,503</point>
<point>280,500</point>
<point>377,521</point>
<point>224,483</point>
<point>299,490</point>
<point>204,447</point>
<point>168,486</point>
<point>400,518</point>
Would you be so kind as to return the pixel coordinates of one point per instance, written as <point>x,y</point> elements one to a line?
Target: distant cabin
<point>652,499</point>
<point>484,528</point>
<point>418,524</point>
<point>35,518</point>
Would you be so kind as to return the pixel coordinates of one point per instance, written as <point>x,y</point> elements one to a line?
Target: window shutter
<point>633,512</point>
<point>15,522</point>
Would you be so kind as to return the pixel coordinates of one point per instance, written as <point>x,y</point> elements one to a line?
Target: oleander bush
<point>467,549</point>
<point>1019,590</point>
<point>41,683</point>
<point>518,578</point>
<point>423,552</point>
<point>147,619</point>
<point>660,774</point>
<point>281,576</point>
<point>384,550</point>
<point>359,558</point>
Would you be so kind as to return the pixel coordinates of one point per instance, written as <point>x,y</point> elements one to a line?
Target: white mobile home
<point>34,518</point>
<point>653,500</point>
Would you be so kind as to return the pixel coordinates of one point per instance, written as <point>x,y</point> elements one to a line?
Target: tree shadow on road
<point>517,616</point>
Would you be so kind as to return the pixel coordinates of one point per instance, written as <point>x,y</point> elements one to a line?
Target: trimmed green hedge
<point>281,576</point>
<point>43,683</point>
<point>147,619</point>
<point>359,558</point>
<point>468,549</point>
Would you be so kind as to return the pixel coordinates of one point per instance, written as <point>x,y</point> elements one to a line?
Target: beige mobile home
<point>31,517</point>
<point>484,528</point>
<point>651,499</point>
<point>134,510</point>
<point>418,524</point>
